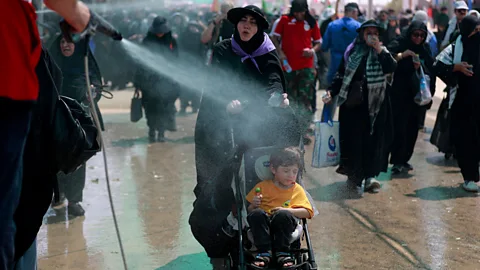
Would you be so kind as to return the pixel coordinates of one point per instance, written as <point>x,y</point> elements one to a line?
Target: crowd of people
<point>372,70</point>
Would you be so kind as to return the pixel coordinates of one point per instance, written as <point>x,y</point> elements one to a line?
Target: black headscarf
<point>471,45</point>
<point>300,6</point>
<point>404,41</point>
<point>253,44</point>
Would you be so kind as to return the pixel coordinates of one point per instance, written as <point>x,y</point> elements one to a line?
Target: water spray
<point>97,24</point>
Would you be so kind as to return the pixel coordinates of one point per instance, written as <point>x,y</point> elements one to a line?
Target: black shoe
<point>397,169</point>
<point>161,137</point>
<point>76,210</point>
<point>407,166</point>
<point>152,136</point>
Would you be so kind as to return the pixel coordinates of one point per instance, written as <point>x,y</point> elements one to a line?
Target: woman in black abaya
<point>459,64</point>
<point>405,87</point>
<point>253,79</point>
<point>159,92</point>
<point>70,58</point>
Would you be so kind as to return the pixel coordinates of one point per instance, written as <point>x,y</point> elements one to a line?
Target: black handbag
<point>355,94</point>
<point>136,110</point>
<point>74,133</point>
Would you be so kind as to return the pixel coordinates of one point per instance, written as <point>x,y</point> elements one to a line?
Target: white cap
<point>421,16</point>
<point>460,5</point>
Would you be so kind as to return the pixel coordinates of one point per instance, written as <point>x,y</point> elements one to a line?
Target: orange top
<point>273,196</point>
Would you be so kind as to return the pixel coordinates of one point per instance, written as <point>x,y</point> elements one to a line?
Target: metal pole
<point>370,9</point>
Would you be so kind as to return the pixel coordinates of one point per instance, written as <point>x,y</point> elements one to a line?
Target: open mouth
<point>245,32</point>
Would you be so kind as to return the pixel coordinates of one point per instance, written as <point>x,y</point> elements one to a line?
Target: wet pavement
<point>418,221</point>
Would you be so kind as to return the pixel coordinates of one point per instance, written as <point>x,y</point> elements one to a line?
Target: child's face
<point>285,175</point>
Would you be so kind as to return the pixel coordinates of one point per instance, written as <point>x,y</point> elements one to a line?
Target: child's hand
<point>257,200</point>
<point>277,209</point>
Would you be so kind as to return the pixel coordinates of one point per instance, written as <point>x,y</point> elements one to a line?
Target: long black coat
<point>364,154</point>
<point>39,173</point>
<point>257,125</point>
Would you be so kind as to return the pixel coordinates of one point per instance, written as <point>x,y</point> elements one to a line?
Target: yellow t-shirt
<point>273,196</point>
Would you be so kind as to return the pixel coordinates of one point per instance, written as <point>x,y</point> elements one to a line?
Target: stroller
<point>254,167</point>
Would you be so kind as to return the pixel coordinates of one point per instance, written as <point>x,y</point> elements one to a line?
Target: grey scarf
<point>376,80</point>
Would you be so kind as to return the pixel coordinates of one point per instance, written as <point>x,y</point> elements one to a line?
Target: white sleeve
<point>272,33</point>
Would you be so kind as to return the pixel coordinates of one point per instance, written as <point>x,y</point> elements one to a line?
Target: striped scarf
<point>376,80</point>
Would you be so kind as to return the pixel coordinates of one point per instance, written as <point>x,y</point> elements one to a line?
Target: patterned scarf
<point>376,80</point>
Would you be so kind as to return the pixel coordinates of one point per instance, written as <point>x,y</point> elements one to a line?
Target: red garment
<point>20,50</point>
<point>296,36</point>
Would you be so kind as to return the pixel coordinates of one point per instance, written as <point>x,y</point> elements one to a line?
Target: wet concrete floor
<point>420,221</point>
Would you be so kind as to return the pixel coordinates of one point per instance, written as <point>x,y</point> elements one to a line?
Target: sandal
<point>261,258</point>
<point>284,258</point>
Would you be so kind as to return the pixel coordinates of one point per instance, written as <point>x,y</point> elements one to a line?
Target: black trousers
<point>72,185</point>
<point>272,233</point>
<point>405,119</point>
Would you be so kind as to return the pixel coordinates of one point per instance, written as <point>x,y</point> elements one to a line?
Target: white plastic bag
<point>424,96</point>
<point>326,150</point>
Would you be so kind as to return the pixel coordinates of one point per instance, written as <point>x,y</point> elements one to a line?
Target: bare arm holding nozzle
<point>76,13</point>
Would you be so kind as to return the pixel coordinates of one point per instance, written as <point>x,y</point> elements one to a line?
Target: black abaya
<point>405,111</point>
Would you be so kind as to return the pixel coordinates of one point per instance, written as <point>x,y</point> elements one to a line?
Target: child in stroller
<point>275,208</point>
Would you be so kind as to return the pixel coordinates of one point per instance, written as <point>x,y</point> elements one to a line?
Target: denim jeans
<point>13,135</point>
<point>29,260</point>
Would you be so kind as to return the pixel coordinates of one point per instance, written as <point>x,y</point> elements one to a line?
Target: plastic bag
<point>423,96</point>
<point>326,150</point>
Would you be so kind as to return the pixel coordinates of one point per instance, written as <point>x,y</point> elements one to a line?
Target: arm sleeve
<point>275,79</point>
<point>387,61</point>
<point>280,26</point>
<point>300,200</point>
<point>337,81</point>
<point>326,39</point>
<point>316,34</point>
<point>444,72</point>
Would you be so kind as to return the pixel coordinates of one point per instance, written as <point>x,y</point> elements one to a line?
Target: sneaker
<point>408,166</point>
<point>470,186</point>
<point>397,169</point>
<point>353,188</point>
<point>372,185</point>
<point>76,210</point>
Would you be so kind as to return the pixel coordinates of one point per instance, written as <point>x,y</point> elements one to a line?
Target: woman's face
<point>418,37</point>
<point>66,47</point>
<point>247,27</point>
<point>370,31</point>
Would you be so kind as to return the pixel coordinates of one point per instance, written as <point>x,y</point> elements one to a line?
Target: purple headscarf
<point>266,47</point>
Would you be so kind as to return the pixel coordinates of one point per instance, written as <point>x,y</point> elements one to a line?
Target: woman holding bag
<point>459,64</point>
<point>361,87</point>
<point>413,55</point>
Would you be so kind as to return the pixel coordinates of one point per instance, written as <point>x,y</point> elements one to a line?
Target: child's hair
<point>289,156</point>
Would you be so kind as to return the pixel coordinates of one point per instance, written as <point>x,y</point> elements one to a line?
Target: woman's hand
<point>234,107</point>
<point>327,98</point>
<point>407,53</point>
<point>416,65</point>
<point>375,43</point>
<point>464,68</point>
<point>285,102</point>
